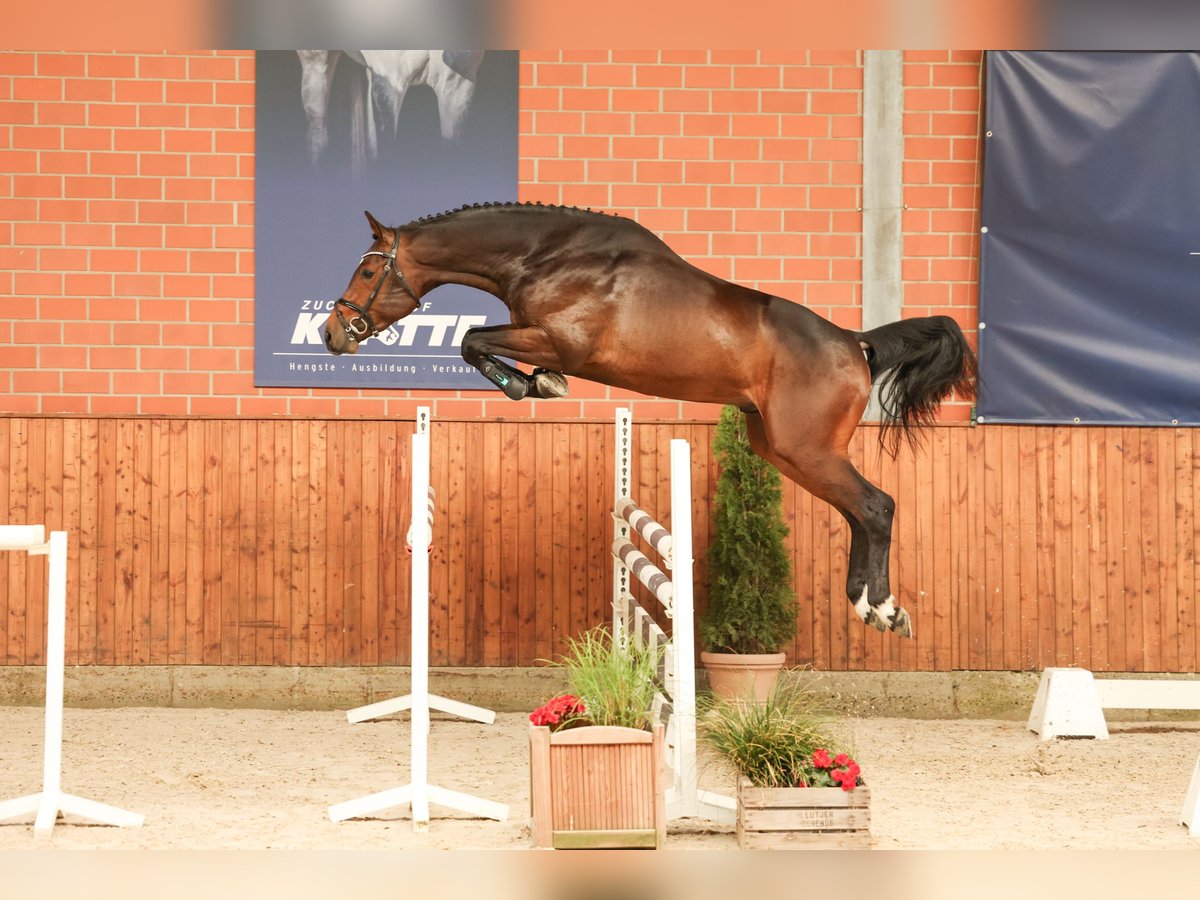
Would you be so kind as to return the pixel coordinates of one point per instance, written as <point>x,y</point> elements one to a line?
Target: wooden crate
<point>797,818</point>
<point>597,787</point>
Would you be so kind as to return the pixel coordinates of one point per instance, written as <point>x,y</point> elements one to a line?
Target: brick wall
<point>126,209</point>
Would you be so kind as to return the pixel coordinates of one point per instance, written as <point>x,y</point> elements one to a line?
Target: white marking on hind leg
<point>887,609</point>
<point>862,606</point>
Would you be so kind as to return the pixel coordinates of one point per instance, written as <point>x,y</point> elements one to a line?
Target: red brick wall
<point>126,209</point>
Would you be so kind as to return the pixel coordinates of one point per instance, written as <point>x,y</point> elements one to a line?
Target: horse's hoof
<point>903,624</point>
<point>876,622</point>
<point>549,384</point>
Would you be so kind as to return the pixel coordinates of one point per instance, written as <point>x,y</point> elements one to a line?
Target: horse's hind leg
<point>524,343</point>
<point>831,476</point>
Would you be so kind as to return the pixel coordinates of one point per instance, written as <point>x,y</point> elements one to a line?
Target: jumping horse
<point>600,297</point>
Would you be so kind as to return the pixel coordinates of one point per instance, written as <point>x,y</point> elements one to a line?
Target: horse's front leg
<point>525,343</point>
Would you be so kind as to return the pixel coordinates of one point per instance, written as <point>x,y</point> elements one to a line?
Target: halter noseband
<point>362,326</point>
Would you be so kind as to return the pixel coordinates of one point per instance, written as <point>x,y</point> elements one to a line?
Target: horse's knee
<point>474,344</point>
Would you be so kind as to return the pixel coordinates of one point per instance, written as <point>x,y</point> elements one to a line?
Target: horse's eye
<point>367,273</point>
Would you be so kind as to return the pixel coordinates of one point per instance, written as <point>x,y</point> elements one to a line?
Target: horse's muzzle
<point>347,344</point>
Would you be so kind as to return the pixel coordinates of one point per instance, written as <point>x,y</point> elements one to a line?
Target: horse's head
<point>377,296</point>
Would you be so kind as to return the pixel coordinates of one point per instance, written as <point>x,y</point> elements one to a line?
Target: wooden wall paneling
<point>1007,599</point>
<point>1152,634</point>
<point>975,605</point>
<point>106,543</point>
<point>393,559</point>
<point>543,538</point>
<point>1114,547</point>
<point>140,555</point>
<point>491,599</point>
<point>280,542</point>
<point>447,632</point>
<point>1167,562</point>
<point>159,467</point>
<point>597,535</point>
<point>1026,535</point>
<point>209,438</point>
<point>18,564</point>
<point>941,543</point>
<point>369,541</point>
<point>34,636</point>
<point>993,537</point>
<point>126,475</point>
<point>1081,600</point>
<point>229,539</point>
<point>82,638</point>
<point>526,549</point>
<point>247,542</point>
<point>1097,554</point>
<point>576,540</point>
<point>350,505</point>
<point>508,517</point>
<point>913,496</point>
<point>174,610</point>
<point>1188,539</point>
<point>561,521</point>
<point>57,518</point>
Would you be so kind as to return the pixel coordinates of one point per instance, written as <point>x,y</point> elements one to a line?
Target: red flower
<point>841,760</point>
<point>557,710</point>
<point>821,759</point>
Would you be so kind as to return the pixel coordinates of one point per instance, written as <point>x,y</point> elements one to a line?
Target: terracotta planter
<point>734,675</point>
<point>800,818</point>
<point>597,787</point>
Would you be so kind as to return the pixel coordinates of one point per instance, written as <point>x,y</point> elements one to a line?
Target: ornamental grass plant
<point>776,744</point>
<point>615,680</point>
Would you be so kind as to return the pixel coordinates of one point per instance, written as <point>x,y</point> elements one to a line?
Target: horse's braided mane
<point>466,207</point>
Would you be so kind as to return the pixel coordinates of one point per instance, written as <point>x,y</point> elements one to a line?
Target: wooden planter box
<point>597,787</point>
<point>796,818</point>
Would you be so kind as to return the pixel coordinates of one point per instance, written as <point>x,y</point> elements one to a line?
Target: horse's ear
<point>376,228</point>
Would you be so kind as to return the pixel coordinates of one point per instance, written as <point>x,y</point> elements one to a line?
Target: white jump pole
<point>441,704</point>
<point>684,797</point>
<point>52,799</point>
<point>419,792</point>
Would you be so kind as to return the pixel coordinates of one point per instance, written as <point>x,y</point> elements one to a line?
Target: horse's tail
<point>918,363</point>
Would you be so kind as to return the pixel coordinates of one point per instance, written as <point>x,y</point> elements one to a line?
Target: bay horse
<point>600,297</point>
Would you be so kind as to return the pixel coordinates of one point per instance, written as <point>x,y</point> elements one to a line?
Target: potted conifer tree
<point>751,612</point>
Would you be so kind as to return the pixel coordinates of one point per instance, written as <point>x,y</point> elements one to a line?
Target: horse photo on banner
<point>405,134</point>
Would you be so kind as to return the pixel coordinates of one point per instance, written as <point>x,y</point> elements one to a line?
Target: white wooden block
<point>1191,804</point>
<point>1067,705</point>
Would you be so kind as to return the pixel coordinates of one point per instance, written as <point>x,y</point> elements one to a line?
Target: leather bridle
<point>362,326</point>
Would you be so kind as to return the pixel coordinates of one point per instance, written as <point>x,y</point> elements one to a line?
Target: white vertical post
<point>622,488</point>
<point>51,800</point>
<point>419,792</point>
<point>420,631</point>
<point>683,687</point>
<point>56,633</point>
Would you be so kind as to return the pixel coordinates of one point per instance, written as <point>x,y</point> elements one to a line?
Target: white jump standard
<point>52,799</point>
<point>676,701</point>
<point>418,793</point>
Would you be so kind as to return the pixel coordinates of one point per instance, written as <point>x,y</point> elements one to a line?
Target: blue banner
<point>1090,251</point>
<point>402,134</point>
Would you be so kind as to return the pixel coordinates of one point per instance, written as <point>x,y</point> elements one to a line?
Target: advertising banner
<point>403,134</point>
<point>1090,251</point>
